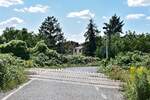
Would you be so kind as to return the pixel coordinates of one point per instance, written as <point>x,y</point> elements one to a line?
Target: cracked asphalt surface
<point>47,89</point>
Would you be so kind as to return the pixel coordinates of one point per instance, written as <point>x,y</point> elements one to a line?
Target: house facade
<point>78,50</point>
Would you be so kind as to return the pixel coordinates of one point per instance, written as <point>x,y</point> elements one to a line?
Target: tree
<point>100,49</point>
<point>133,41</point>
<point>10,34</point>
<point>17,47</point>
<point>1,40</point>
<point>113,27</point>
<point>52,33</point>
<point>90,41</point>
<point>60,44</point>
<point>23,34</point>
<point>28,37</point>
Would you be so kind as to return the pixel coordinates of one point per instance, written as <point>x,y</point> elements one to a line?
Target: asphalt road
<point>55,90</point>
<point>82,69</point>
<point>48,89</point>
<point>3,94</point>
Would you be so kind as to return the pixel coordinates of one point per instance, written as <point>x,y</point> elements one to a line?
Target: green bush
<point>136,84</point>
<point>43,60</point>
<point>137,79</point>
<point>11,72</point>
<point>132,59</point>
<point>115,72</point>
<point>17,47</point>
<point>29,64</point>
<point>40,60</point>
<point>138,87</point>
<point>40,47</point>
<point>42,56</point>
<point>78,59</point>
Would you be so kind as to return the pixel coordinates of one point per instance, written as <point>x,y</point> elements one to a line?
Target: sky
<point>74,15</point>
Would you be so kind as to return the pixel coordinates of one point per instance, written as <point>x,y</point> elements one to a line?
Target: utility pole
<point>106,47</point>
<point>106,44</point>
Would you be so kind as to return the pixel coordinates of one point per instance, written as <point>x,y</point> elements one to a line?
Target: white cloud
<point>148,18</point>
<point>75,37</point>
<point>106,17</point>
<point>7,3</point>
<point>84,14</point>
<point>12,22</point>
<point>33,9</point>
<point>137,3</point>
<point>134,16</point>
<point>79,22</point>
<point>1,31</point>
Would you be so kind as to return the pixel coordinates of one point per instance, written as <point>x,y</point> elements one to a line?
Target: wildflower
<point>132,73</point>
<point>132,70</point>
<point>140,70</point>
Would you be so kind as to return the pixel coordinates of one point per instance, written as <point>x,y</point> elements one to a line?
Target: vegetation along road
<point>77,83</point>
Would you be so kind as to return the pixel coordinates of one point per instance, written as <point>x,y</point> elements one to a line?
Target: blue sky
<point>73,15</point>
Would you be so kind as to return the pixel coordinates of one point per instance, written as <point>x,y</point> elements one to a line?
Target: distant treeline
<point>109,45</point>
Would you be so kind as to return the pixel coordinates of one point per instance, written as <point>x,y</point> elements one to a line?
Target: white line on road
<point>97,88</point>
<point>20,87</point>
<point>77,83</point>
<point>104,96</point>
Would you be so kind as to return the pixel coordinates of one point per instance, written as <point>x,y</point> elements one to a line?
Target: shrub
<point>40,60</point>
<point>42,56</point>
<point>115,72</point>
<point>11,72</point>
<point>17,47</point>
<point>43,60</point>
<point>40,47</point>
<point>78,59</point>
<point>29,64</point>
<point>138,87</point>
<point>132,59</point>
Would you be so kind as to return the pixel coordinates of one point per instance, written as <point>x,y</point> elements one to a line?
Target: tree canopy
<point>113,27</point>
<point>51,32</point>
<point>95,45</point>
<point>90,39</point>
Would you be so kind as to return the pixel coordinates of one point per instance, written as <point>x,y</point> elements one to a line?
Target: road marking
<point>104,96</point>
<point>38,71</point>
<point>97,88</point>
<point>20,87</point>
<point>76,83</point>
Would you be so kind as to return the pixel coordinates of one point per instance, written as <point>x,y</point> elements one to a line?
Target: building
<point>78,50</point>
